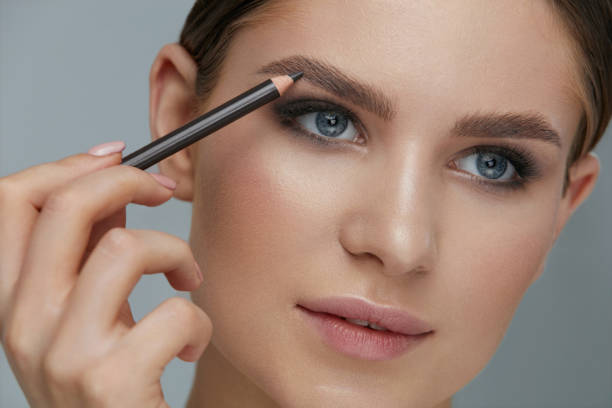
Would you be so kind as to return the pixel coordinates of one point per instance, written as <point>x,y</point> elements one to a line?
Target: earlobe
<point>583,176</point>
<point>172,100</point>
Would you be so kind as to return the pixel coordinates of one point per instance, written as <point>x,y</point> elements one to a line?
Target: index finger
<point>50,267</point>
<point>23,194</point>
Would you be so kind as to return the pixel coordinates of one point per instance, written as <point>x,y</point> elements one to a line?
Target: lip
<point>393,319</point>
<point>405,331</point>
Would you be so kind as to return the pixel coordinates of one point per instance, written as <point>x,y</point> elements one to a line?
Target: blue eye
<point>320,121</point>
<point>497,166</point>
<point>329,124</point>
<point>489,165</point>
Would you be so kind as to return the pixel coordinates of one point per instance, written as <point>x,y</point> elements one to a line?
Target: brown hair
<point>590,25</point>
<point>211,25</point>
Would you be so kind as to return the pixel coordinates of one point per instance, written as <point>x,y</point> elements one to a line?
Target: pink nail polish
<point>164,181</point>
<point>107,148</point>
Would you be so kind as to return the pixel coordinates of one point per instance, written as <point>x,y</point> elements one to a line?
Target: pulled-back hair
<point>211,25</point>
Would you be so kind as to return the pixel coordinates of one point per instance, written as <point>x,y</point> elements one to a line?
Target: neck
<point>217,384</point>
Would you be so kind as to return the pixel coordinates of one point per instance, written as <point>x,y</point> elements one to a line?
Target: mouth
<point>362,329</point>
<point>365,323</point>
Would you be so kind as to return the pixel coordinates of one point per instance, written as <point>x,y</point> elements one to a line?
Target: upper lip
<point>391,318</point>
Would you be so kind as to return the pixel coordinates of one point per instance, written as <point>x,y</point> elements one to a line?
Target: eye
<point>329,123</point>
<point>489,165</point>
<point>322,122</point>
<point>499,166</point>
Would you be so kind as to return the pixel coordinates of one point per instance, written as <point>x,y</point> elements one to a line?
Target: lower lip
<point>358,341</point>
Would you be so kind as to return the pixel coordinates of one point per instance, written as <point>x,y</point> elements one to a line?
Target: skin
<point>277,219</point>
<point>271,231</point>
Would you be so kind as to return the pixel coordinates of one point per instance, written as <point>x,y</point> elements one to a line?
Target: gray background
<point>75,73</point>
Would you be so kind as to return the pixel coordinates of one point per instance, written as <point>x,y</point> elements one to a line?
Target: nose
<point>394,222</point>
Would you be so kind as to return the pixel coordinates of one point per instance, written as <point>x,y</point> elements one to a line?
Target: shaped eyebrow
<point>332,79</point>
<point>491,124</point>
<point>507,125</point>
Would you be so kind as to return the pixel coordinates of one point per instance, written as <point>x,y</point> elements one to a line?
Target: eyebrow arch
<point>506,125</point>
<point>332,79</point>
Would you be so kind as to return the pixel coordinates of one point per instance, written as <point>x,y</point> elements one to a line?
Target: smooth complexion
<point>394,210</point>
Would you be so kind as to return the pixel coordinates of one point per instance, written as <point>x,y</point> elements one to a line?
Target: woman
<point>463,149</point>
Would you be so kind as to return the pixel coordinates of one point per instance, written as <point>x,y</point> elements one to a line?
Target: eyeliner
<point>211,121</point>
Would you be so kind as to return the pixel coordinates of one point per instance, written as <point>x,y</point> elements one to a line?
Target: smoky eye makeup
<point>499,160</point>
<point>490,164</point>
<point>328,117</point>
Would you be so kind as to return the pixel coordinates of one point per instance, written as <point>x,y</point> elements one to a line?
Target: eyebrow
<point>332,79</point>
<point>530,125</point>
<point>507,125</point>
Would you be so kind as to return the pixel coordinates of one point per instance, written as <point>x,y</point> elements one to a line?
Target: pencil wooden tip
<point>283,82</point>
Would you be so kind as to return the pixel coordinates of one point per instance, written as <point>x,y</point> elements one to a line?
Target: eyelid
<point>284,107</point>
<point>526,167</point>
<point>525,163</point>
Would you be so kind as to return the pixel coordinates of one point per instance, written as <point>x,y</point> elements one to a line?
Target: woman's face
<point>398,209</point>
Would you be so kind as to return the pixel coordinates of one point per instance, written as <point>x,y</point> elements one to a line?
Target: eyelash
<point>292,109</point>
<point>524,162</point>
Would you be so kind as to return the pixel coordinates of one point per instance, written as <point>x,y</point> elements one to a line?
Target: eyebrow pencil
<point>211,121</point>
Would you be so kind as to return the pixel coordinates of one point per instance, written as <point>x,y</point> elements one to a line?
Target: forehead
<point>454,56</point>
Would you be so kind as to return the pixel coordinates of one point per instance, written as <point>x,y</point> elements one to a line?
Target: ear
<point>172,100</point>
<point>582,177</point>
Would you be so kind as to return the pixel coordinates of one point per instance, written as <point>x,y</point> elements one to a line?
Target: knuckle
<point>186,314</point>
<point>19,346</point>
<point>119,240</point>
<point>96,384</point>
<point>178,306</point>
<point>175,244</point>
<point>15,346</point>
<point>182,310</point>
<point>57,372</point>
<point>127,176</point>
<point>182,246</point>
<point>64,200</point>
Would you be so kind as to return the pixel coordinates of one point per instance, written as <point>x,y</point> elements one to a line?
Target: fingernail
<point>164,181</point>
<point>107,148</point>
<point>199,271</point>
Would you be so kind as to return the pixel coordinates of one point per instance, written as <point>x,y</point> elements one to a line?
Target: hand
<point>67,267</point>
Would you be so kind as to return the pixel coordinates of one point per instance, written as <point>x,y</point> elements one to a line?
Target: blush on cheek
<point>250,229</point>
<point>248,208</point>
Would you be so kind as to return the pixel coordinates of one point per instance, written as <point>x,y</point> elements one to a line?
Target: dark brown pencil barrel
<point>202,126</point>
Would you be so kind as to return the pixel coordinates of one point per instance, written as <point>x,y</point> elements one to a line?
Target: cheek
<point>259,214</point>
<point>255,222</point>
<point>484,278</point>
